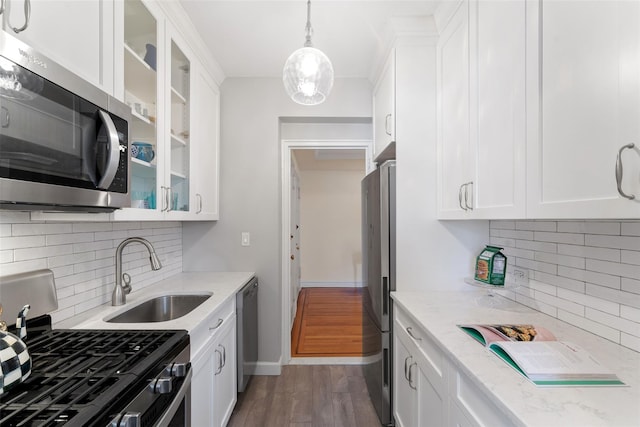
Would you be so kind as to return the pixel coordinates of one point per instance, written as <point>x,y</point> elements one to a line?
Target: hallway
<point>328,323</point>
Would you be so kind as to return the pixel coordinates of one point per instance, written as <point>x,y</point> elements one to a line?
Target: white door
<point>294,233</point>
<point>405,394</point>
<point>384,97</point>
<point>585,75</point>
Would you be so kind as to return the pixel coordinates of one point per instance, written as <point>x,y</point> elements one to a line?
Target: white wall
<point>330,233</point>
<point>82,256</point>
<point>251,109</point>
<point>586,273</point>
<point>430,253</point>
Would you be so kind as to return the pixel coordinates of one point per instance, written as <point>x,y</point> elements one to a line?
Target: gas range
<point>115,378</point>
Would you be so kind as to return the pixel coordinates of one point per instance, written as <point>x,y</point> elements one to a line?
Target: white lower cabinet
<point>213,387</point>
<point>429,390</point>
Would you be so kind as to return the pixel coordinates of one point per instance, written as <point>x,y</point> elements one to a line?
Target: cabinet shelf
<point>143,169</point>
<point>177,97</point>
<point>177,142</point>
<point>140,117</point>
<point>139,77</point>
<point>178,175</point>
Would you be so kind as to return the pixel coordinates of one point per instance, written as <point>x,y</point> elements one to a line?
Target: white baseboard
<point>326,361</point>
<point>268,368</point>
<point>331,284</point>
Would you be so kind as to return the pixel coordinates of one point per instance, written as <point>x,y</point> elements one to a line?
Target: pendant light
<point>308,73</point>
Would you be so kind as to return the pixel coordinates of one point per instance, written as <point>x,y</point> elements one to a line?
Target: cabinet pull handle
<point>386,124</point>
<point>212,328</point>
<point>219,368</point>
<point>27,17</point>
<point>406,368</point>
<point>409,329</point>
<point>224,355</point>
<point>411,375</point>
<point>199,197</point>
<point>460,197</point>
<point>619,172</point>
<point>466,196</point>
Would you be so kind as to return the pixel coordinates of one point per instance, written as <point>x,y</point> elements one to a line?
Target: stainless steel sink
<point>160,309</point>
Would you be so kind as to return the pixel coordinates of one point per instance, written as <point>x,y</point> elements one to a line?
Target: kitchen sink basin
<point>160,309</point>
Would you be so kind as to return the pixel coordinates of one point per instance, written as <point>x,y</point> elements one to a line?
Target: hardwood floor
<point>306,396</point>
<point>328,323</point>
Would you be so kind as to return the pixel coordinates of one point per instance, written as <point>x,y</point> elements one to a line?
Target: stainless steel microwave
<point>64,143</point>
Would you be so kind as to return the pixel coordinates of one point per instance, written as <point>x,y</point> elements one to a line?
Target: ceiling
<point>255,38</point>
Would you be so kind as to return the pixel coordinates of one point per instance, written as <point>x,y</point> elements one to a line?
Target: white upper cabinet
<point>76,34</point>
<point>497,119</point>
<point>454,149</point>
<point>583,108</point>
<point>481,112</point>
<point>384,106</point>
<point>205,153</point>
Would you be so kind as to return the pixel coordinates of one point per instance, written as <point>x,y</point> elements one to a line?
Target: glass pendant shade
<point>308,76</point>
<point>308,73</point>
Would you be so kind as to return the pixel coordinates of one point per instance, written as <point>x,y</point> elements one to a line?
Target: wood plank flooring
<point>328,323</point>
<point>306,396</point>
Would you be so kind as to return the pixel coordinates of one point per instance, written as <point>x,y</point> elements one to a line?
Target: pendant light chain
<point>308,28</point>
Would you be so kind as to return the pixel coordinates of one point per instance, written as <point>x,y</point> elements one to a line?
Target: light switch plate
<point>246,238</point>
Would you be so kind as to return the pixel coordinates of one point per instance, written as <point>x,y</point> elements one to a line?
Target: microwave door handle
<point>114,152</point>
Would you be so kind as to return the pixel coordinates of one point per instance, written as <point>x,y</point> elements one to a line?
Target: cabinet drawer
<point>429,355</point>
<point>474,404</point>
<point>212,325</point>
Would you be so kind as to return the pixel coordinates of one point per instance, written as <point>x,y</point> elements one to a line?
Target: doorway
<point>297,263</point>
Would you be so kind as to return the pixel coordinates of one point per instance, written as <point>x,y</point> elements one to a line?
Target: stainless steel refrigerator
<point>379,268</point>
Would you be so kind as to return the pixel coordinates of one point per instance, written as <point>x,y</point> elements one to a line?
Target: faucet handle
<point>127,283</point>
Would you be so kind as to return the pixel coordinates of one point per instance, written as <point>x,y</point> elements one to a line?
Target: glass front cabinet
<point>157,83</point>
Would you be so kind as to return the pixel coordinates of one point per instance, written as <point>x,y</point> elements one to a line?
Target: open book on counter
<point>535,352</point>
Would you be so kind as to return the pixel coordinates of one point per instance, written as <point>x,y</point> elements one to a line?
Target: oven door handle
<point>114,152</point>
<point>166,418</point>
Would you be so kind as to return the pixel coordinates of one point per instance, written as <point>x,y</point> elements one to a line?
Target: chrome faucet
<point>120,292</point>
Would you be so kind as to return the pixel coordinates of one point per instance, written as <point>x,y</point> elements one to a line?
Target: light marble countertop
<point>223,286</point>
<point>521,401</point>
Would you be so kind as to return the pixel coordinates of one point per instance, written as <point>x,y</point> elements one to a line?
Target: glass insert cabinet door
<point>179,117</point>
<point>141,94</point>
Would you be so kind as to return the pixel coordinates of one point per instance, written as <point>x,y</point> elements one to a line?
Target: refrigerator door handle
<point>385,296</point>
<point>386,367</point>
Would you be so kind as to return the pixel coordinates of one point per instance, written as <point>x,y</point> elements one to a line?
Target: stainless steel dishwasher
<point>247,329</point>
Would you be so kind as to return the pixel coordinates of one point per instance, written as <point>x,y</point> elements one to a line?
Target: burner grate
<point>78,374</point>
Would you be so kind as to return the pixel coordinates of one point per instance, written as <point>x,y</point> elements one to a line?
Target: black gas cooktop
<point>85,377</point>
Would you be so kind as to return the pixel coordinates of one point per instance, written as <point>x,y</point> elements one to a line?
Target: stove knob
<point>161,386</point>
<point>130,419</point>
<point>179,370</point>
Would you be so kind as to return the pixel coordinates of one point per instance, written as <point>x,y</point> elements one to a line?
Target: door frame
<point>287,146</point>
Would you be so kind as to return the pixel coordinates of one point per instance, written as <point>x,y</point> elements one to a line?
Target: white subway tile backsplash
<point>604,331</point>
<point>570,238</point>
<point>630,285</point>
<point>619,242</point>
<point>590,276</point>
<point>624,270</point>
<point>630,341</point>
<point>630,257</point>
<point>630,229</point>
<point>589,301</point>
<point>504,225</point>
<point>604,254</point>
<point>589,227</point>
<point>623,325</point>
<point>537,246</point>
<point>82,256</point>
<point>569,261</point>
<point>630,313</point>
<point>584,272</point>
<point>536,225</point>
